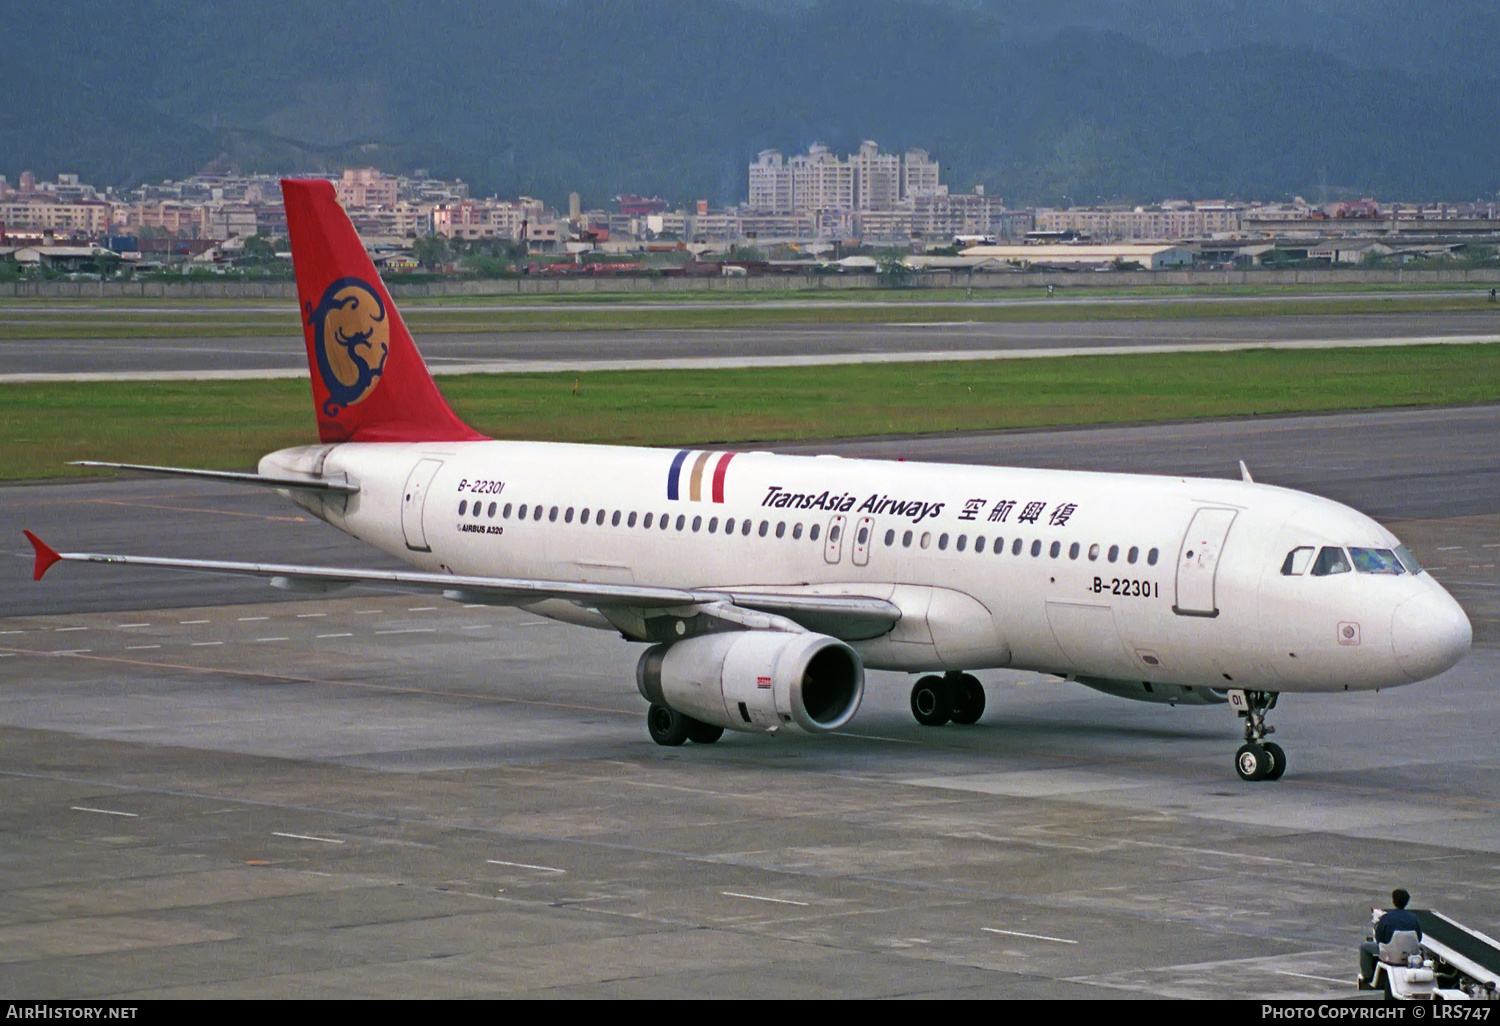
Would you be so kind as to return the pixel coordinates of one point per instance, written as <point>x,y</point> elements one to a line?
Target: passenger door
<point>417,486</point>
<point>1198,562</point>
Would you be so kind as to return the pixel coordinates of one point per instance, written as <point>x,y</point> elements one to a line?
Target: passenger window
<point>477,509</point>
<point>681,520</point>
<point>1133,555</point>
<point>521,513</point>
<point>906,540</point>
<point>890,538</point>
<point>505,513</point>
<point>713,524</point>
<point>796,530</point>
<point>1036,547</point>
<point>568,516</point>
<point>1330,561</point>
<point>599,518</point>
<point>979,543</point>
<point>1296,562</point>
<point>926,541</point>
<point>765,525</point>
<point>630,520</point>
<point>1055,549</point>
<point>666,522</point>
<point>1114,553</point>
<point>729,525</point>
<point>942,541</point>
<point>1375,561</point>
<point>583,517</point>
<point>1151,557</point>
<point>697,523</point>
<point>1015,547</point>
<point>552,515</point>
<point>614,521</point>
<point>861,538</point>
<point>493,507</point>
<point>1073,551</point>
<point>962,543</point>
<point>745,528</point>
<point>1093,552</point>
<point>812,533</point>
<point>781,530</point>
<point>647,521</point>
<point>536,512</point>
<point>463,506</point>
<point>833,534</point>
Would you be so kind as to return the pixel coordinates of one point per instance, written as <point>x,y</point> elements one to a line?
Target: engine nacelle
<point>1145,691</point>
<point>756,680</point>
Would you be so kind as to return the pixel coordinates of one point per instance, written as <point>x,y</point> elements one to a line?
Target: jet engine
<point>1145,691</point>
<point>756,680</point>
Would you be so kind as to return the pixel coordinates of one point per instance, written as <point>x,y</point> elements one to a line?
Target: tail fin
<point>369,383</point>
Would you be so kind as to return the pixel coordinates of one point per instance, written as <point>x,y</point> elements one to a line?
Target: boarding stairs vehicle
<point>1449,962</point>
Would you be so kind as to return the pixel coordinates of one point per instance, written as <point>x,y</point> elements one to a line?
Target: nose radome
<point>1429,634</point>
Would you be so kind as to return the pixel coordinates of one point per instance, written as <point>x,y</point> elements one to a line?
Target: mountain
<point>1074,100</point>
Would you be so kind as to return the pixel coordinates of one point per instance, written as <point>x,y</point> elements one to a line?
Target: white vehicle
<point>766,584</point>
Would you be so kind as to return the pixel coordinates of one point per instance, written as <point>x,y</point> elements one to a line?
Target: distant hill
<point>1072,100</point>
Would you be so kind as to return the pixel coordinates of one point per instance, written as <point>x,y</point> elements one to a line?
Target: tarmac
<point>213,790</point>
<point>503,351</point>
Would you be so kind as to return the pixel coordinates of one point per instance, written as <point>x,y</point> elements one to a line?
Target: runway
<point>108,358</point>
<point>214,791</point>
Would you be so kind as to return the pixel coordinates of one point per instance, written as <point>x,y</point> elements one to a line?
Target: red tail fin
<point>369,383</point>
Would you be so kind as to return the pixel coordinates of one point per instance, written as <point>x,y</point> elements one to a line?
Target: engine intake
<point>756,680</point>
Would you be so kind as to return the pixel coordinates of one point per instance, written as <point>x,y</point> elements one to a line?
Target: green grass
<point>89,323</point>
<point>229,424</point>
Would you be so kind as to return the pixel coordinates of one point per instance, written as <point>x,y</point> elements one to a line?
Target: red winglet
<point>46,555</point>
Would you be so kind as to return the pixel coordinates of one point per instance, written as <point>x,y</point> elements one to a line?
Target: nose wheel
<point>1257,759</point>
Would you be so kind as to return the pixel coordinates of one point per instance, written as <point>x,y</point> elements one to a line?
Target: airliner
<point>764,585</point>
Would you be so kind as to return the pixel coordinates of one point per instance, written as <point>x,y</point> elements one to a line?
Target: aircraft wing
<point>850,617</point>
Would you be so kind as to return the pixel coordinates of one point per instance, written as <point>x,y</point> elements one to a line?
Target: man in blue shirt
<point>1398,918</point>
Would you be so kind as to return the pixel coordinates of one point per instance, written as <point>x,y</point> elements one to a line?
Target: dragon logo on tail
<point>352,337</point>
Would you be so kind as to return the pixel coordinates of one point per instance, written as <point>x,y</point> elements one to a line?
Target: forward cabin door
<point>1198,562</point>
<point>415,498</point>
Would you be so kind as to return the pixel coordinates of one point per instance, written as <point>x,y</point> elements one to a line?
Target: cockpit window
<point>1376,561</point>
<point>1408,560</point>
<point>1330,561</point>
<point>1297,560</point>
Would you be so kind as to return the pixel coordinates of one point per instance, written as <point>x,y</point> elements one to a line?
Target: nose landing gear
<point>1257,759</point>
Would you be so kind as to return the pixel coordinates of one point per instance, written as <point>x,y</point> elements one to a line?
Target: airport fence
<point>770,283</point>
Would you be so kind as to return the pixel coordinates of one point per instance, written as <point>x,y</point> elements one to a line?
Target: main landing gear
<point>1257,759</point>
<point>954,696</point>
<point>670,728</point>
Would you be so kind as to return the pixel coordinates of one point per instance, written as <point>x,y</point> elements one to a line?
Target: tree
<point>431,252</point>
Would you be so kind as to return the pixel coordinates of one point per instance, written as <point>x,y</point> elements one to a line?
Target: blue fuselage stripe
<point>673,474</point>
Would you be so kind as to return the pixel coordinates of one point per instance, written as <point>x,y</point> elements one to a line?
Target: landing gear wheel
<point>931,701</point>
<point>968,698</point>
<point>1257,759</point>
<point>1253,762</point>
<point>1278,760</point>
<point>667,727</point>
<point>700,733</point>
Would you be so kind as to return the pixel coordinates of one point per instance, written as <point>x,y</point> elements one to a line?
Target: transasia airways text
<point>779,498</point>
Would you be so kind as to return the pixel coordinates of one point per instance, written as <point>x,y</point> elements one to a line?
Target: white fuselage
<point>1171,581</point>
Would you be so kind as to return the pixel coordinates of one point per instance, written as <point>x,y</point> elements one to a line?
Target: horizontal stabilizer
<point>264,480</point>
